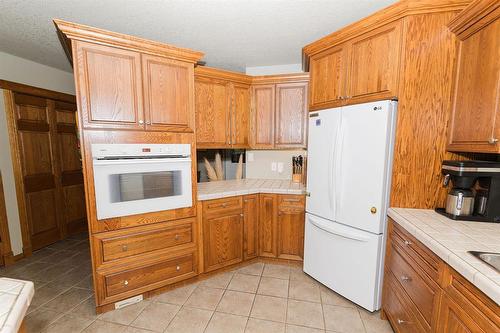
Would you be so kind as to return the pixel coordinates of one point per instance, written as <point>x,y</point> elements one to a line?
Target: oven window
<point>145,185</point>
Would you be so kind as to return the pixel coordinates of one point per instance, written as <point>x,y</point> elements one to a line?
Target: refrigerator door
<point>321,150</point>
<point>344,259</point>
<point>364,165</point>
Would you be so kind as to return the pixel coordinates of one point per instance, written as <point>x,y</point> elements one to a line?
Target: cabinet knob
<point>141,122</point>
<point>407,242</point>
<point>125,282</point>
<point>492,141</point>
<point>176,237</point>
<point>124,248</point>
<point>401,322</point>
<point>373,210</point>
<point>405,278</point>
<point>178,268</point>
<point>241,215</point>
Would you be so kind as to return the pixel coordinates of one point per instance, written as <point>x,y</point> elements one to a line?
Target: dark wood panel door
<point>291,115</point>
<point>251,226</point>
<point>168,91</point>
<point>268,228</point>
<point>291,233</point>
<point>240,115</point>
<point>223,241</point>
<point>110,85</point>
<point>263,117</point>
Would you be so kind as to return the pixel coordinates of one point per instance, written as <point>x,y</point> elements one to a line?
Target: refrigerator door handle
<point>332,189</point>
<point>331,185</point>
<point>328,228</point>
<point>338,164</point>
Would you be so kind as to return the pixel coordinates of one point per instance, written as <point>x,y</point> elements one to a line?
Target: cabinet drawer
<point>422,291</point>
<point>427,260</point>
<point>294,201</point>
<point>222,206</point>
<point>150,276</point>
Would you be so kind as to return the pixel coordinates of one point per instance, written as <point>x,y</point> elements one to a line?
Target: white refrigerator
<point>348,183</point>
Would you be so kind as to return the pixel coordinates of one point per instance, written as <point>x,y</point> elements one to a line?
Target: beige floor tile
<point>46,293</point>
<point>264,326</point>
<point>252,269</point>
<point>276,271</point>
<point>86,283</point>
<point>236,302</point>
<point>243,282</point>
<point>273,287</point>
<point>296,273</point>
<point>68,299</point>
<point>86,309</point>
<point>304,291</point>
<point>40,319</point>
<point>220,281</point>
<point>305,314</point>
<point>125,315</point>
<point>302,329</point>
<point>342,319</point>
<point>269,308</point>
<point>100,326</point>
<point>375,325</point>
<point>189,320</point>
<point>205,298</point>
<point>132,329</point>
<point>68,323</point>
<point>156,316</point>
<point>332,298</point>
<point>32,271</point>
<point>177,296</point>
<point>226,323</point>
<point>54,272</point>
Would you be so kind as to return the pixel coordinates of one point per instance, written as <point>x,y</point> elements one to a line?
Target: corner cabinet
<point>263,120</point>
<point>475,122</point>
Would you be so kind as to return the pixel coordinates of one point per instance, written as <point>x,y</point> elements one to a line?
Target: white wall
<point>275,69</point>
<point>20,70</point>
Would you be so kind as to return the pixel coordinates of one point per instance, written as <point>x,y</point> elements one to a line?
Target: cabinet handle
<point>176,237</point>
<point>125,282</point>
<point>291,200</point>
<point>405,278</point>
<point>241,215</point>
<point>402,322</point>
<point>407,242</point>
<point>124,248</point>
<point>148,123</point>
<point>492,141</point>
<point>178,268</point>
<point>224,205</point>
<point>141,122</point>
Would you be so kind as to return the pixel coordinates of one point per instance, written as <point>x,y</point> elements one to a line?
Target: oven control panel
<point>138,150</point>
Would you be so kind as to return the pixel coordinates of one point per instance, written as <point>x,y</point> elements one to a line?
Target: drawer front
<point>150,276</point>
<point>289,200</point>
<point>424,294</point>
<point>222,206</point>
<point>427,260</point>
<point>146,241</point>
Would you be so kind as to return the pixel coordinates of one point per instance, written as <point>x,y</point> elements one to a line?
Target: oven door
<point>136,186</point>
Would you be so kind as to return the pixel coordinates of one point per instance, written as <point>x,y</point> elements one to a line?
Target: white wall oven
<point>134,179</point>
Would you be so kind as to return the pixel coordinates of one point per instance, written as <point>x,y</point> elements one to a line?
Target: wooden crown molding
<point>382,17</point>
<point>474,17</point>
<point>215,73</point>
<point>69,31</point>
<point>39,92</point>
<point>281,78</point>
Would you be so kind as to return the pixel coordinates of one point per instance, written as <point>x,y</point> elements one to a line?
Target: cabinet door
<point>452,318</point>
<point>268,226</point>
<point>110,86</point>
<point>250,226</point>
<point>222,241</point>
<point>240,113</point>
<point>475,122</point>
<point>212,99</point>
<point>168,94</point>
<point>263,107</point>
<point>328,71</point>
<point>374,65</point>
<point>291,233</point>
<point>291,115</point>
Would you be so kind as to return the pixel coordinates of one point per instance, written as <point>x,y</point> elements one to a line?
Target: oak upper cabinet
<point>475,120</point>
<point>250,226</point>
<point>374,64</point>
<point>110,86</point>
<point>168,94</point>
<point>291,217</point>
<point>268,227</point>
<point>291,115</point>
<point>263,111</point>
<point>240,117</point>
<point>328,71</point>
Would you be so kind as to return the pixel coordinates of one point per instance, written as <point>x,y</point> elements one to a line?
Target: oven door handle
<point>142,161</point>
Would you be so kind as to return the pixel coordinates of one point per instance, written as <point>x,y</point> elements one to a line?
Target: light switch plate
<point>280,167</point>
<point>273,166</point>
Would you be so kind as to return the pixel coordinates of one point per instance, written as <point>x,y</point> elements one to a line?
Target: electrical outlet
<point>273,166</point>
<point>280,167</point>
<point>250,157</point>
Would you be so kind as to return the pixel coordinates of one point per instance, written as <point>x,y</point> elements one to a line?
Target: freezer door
<point>323,133</point>
<point>345,260</point>
<point>364,165</point>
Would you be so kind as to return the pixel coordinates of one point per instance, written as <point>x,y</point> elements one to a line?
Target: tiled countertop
<point>451,240</point>
<point>15,297</point>
<point>229,188</point>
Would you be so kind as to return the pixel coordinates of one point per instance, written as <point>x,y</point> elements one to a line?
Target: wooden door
<point>212,99</point>
<point>452,318</point>
<point>291,115</point>
<point>250,226</point>
<point>110,86</point>
<point>268,228</point>
<point>291,233</point>
<point>74,212</point>
<point>5,248</point>
<point>39,176</point>
<point>168,94</point>
<point>374,65</point>
<point>328,71</point>
<point>263,108</point>
<point>222,241</point>
<point>475,124</point>
<point>240,113</point>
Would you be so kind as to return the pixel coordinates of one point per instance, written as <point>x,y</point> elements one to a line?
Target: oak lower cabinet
<point>422,293</point>
<point>291,217</point>
<point>250,226</point>
<point>268,225</point>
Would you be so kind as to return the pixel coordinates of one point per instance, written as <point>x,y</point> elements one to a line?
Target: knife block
<point>297,178</point>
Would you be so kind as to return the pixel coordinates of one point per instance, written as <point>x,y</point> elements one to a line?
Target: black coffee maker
<point>475,192</point>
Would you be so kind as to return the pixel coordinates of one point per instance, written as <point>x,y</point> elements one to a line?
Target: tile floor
<point>257,298</point>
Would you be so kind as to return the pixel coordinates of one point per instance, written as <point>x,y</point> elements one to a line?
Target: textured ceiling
<point>233,34</point>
